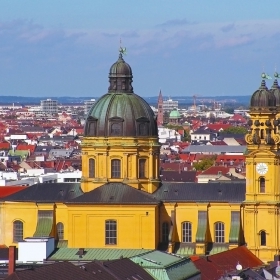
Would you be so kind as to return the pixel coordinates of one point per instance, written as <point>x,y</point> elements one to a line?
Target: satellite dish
<point>238,266</point>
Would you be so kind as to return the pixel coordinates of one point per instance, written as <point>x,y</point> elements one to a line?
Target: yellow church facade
<point>121,202</point>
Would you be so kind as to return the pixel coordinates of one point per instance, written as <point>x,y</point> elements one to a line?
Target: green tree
<point>235,130</point>
<point>174,126</point>
<point>187,136</point>
<point>229,110</point>
<point>204,163</point>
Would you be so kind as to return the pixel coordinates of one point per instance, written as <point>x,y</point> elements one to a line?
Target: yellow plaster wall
<point>129,151</point>
<point>258,218</point>
<point>25,212</point>
<point>272,187</point>
<point>137,226</point>
<point>61,216</point>
<point>188,212</point>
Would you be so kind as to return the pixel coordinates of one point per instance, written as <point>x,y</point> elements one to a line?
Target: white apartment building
<point>87,105</point>
<point>169,105</point>
<point>49,106</point>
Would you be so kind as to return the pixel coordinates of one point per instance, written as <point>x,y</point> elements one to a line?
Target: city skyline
<point>184,48</point>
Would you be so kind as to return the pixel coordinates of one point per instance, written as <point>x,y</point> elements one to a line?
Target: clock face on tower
<point>262,168</point>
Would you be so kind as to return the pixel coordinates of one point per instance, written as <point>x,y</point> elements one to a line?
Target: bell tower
<point>261,222</point>
<point>160,109</point>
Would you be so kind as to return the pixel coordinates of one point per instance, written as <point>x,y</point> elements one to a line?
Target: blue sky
<point>66,47</point>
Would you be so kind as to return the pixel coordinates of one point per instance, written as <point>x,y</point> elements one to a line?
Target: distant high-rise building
<point>87,105</point>
<point>160,110</point>
<point>49,106</point>
<point>169,105</point>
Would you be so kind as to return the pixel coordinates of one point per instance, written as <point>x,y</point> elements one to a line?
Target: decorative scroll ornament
<point>276,139</point>
<point>249,138</point>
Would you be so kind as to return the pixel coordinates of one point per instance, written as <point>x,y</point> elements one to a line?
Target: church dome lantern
<point>120,75</point>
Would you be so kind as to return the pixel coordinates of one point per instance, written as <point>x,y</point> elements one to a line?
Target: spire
<point>160,99</point>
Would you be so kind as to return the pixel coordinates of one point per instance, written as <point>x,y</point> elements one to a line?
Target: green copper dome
<point>174,114</point>
<point>120,112</point>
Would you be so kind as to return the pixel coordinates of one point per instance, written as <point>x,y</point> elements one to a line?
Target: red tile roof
<point>5,146</point>
<point>218,143</point>
<point>5,191</point>
<point>215,266</point>
<point>237,118</point>
<point>227,158</point>
<point>183,157</point>
<point>218,126</point>
<point>213,170</point>
<point>26,147</point>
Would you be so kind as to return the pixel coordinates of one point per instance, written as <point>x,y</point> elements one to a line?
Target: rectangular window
<point>186,232</point>
<point>219,232</point>
<point>91,168</point>
<point>111,232</point>
<point>142,168</point>
<point>17,231</point>
<point>116,168</point>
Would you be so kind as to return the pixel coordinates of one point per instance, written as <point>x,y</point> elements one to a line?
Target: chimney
<point>12,259</point>
<point>81,252</point>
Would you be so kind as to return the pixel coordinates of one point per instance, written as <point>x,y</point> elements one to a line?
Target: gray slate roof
<point>43,149</point>
<point>45,192</point>
<point>116,193</point>
<point>119,269</point>
<point>214,149</point>
<point>199,192</point>
<point>231,135</point>
<point>54,153</point>
<point>119,193</point>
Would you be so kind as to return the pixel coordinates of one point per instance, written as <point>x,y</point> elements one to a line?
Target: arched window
<point>186,232</point>
<point>110,232</point>
<point>219,232</point>
<point>142,168</point>
<point>262,185</point>
<point>17,231</point>
<point>165,232</point>
<point>91,168</point>
<point>60,231</point>
<point>115,168</point>
<point>116,129</point>
<point>263,238</point>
